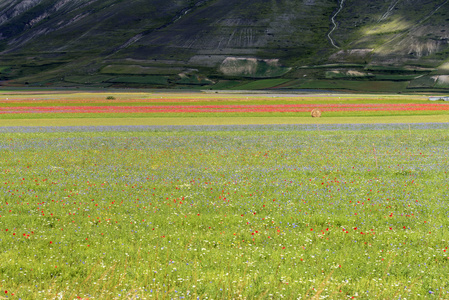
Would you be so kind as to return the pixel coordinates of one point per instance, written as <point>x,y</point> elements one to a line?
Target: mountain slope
<point>176,42</point>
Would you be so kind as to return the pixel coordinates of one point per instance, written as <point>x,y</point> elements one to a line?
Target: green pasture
<point>260,84</point>
<point>4,69</point>
<point>94,79</point>
<point>225,212</point>
<point>348,85</point>
<point>332,117</point>
<point>157,80</point>
<point>98,121</point>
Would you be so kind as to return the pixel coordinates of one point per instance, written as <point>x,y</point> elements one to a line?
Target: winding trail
<point>335,25</point>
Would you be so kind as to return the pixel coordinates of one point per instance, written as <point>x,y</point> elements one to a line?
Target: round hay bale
<point>316,113</point>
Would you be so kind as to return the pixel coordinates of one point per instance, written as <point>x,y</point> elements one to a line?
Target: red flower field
<point>227,108</point>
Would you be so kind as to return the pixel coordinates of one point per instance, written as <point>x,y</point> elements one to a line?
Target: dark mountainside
<point>358,45</point>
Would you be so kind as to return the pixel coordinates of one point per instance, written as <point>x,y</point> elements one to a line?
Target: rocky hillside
<point>209,42</point>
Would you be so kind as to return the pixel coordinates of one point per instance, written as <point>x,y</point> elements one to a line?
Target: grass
<point>261,84</point>
<point>182,115</point>
<point>138,70</point>
<point>4,69</point>
<point>367,86</point>
<point>423,82</point>
<point>219,121</point>
<point>157,80</point>
<point>88,79</point>
<point>396,77</point>
<point>225,212</point>
<point>225,84</point>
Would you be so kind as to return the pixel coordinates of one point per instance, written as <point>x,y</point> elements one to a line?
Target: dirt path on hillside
<point>329,35</point>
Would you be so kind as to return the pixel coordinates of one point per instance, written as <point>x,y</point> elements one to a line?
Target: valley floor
<point>81,108</point>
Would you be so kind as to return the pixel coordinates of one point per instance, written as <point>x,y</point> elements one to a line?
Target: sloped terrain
<point>197,43</point>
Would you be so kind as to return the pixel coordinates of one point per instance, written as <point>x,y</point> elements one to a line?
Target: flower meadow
<point>98,104</point>
<point>225,212</point>
<point>258,108</point>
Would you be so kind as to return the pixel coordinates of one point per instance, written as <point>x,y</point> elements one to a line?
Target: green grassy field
<point>257,212</point>
<point>237,208</point>
<point>261,84</point>
<point>219,121</point>
<point>348,85</point>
